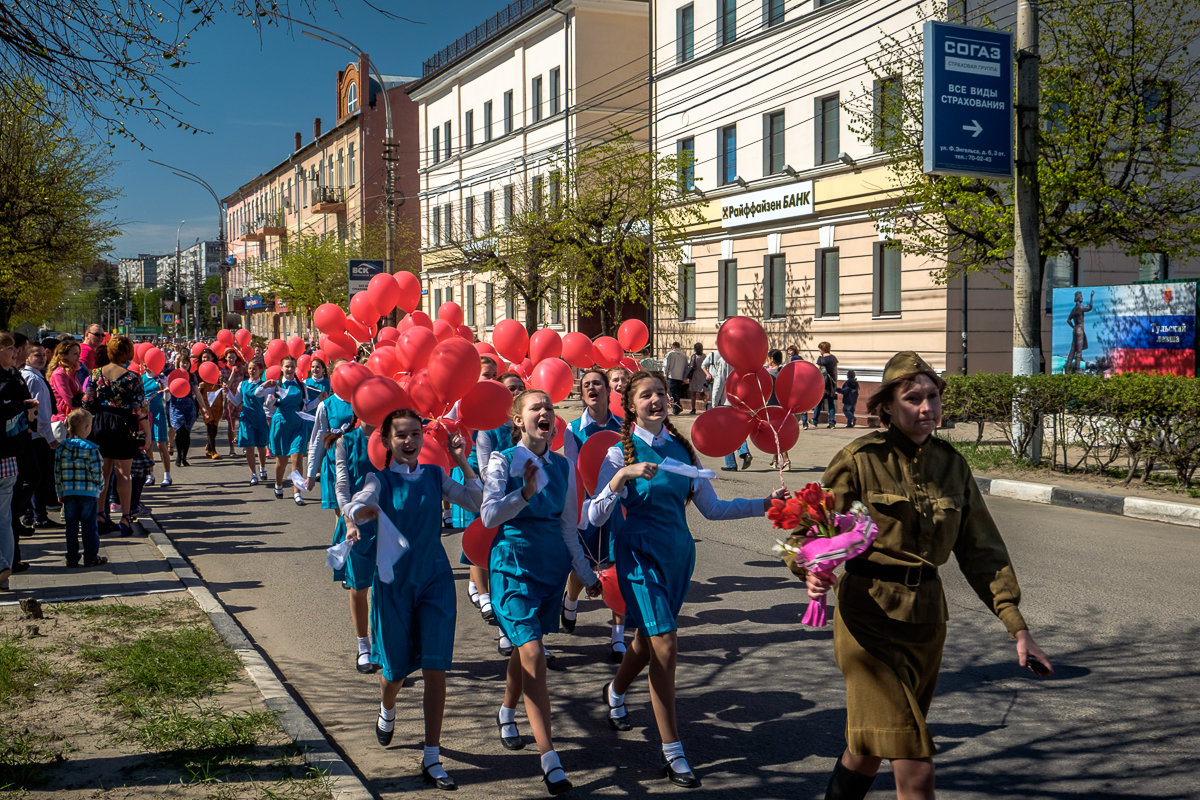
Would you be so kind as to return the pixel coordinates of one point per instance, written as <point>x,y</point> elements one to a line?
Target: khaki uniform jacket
<point>926,503</point>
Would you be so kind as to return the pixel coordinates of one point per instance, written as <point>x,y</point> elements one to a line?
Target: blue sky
<point>252,96</point>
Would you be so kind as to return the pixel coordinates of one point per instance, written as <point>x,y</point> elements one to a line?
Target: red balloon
<point>346,377</point>
<point>477,542</point>
<point>384,361</point>
<point>633,335</point>
<point>544,344</point>
<point>466,333</point>
<point>302,365</point>
<point>434,452</point>
<point>176,374</point>
<point>446,428</point>
<point>357,332</point>
<point>376,452</point>
<point>404,324</point>
<point>453,368</point>
<point>591,457</point>
<point>560,433</point>
<point>387,333</point>
<point>218,349</point>
<point>485,406</point>
<point>180,387</point>
<point>577,350</point>
<point>743,344</point>
<point>442,330</point>
<point>486,349</point>
<point>273,373</point>
<point>276,350</point>
<point>413,348</point>
<point>384,292</point>
<point>554,377</point>
<point>339,345</point>
<point>608,351</point>
<point>155,360</point>
<point>510,339</point>
<point>799,385</point>
<point>209,372</point>
<point>197,348</point>
<point>225,337</point>
<point>247,352</point>
<point>362,309</point>
<point>614,405</point>
<point>410,291</point>
<point>424,397</point>
<point>524,369</point>
<point>721,430</point>
<point>630,364</point>
<point>611,591</point>
<point>451,312</point>
<point>328,318</point>
<point>295,346</point>
<point>139,351</point>
<point>750,391</point>
<point>243,336</point>
<point>776,430</point>
<point>422,319</point>
<point>376,397</point>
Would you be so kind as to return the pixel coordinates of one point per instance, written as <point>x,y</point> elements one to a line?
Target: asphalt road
<point>1115,603</point>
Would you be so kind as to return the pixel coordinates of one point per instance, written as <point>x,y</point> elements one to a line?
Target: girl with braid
<point>352,466</point>
<point>654,474</point>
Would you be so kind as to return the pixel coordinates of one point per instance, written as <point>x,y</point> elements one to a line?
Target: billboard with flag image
<point>1138,327</point>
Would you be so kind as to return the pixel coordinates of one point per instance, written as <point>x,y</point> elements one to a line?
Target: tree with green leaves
<point>1119,140</point>
<point>55,204</point>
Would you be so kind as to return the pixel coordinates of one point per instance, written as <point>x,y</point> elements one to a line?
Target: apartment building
<point>333,185</point>
<point>500,111</point>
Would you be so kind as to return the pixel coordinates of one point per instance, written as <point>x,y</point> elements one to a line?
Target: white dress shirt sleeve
<point>468,494</point>
<point>498,507</point>
<point>570,534</point>
<point>367,496</point>
<point>712,507</point>
<point>601,506</point>
<point>316,442</point>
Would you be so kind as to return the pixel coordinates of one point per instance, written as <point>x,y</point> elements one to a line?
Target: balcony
<point>328,200</point>
<point>251,232</point>
<point>272,225</point>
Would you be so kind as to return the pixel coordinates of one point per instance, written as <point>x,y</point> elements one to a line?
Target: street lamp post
<point>224,269</point>
<point>175,282</point>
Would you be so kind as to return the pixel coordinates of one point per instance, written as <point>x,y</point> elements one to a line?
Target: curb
<point>344,782</point>
<point>1134,507</point>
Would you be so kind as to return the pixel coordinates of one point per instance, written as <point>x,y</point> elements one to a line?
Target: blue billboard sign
<point>968,101</point>
<point>361,272</point>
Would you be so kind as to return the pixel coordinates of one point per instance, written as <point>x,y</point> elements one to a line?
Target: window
<point>775,286</point>
<point>508,111</point>
<point>510,304</point>
<point>686,281</point>
<point>555,91</point>
<point>469,306</point>
<point>726,22</point>
<point>685,34</point>
<point>448,222</point>
<point>772,12</point>
<point>773,153</point>
<point>449,294</point>
<point>727,288</point>
<point>437,299</point>
<point>727,148</point>
<point>353,169</point>
<point>889,113</point>
<point>329,177</point>
<point>487,121</point>
<point>469,218</point>
<point>341,168</point>
<point>509,202</point>
<point>556,304</point>
<point>352,99</point>
<point>828,143</point>
<point>302,186</point>
<point>488,203</point>
<point>1152,267</point>
<point>435,145</point>
<point>435,234</point>
<point>446,142</point>
<point>469,129</point>
<point>489,305</point>
<point>887,279</point>
<point>555,189</point>
<point>1062,269</point>
<point>535,98</point>
<point>1156,108</point>
<point>535,192</point>
<point>685,152</point>
<point>827,282</point>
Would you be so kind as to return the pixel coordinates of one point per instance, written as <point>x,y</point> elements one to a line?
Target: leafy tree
<point>1119,137</point>
<point>54,204</point>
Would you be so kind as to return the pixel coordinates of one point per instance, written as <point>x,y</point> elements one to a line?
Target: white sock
<point>569,604</point>
<point>433,755</point>
<point>508,722</point>
<point>550,761</point>
<point>673,753</point>
<point>615,701</point>
<point>485,600</point>
<point>364,644</point>
<point>618,634</point>
<point>387,718</point>
<point>472,589</point>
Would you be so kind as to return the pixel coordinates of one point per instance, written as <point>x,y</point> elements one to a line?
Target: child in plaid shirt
<point>79,479</point>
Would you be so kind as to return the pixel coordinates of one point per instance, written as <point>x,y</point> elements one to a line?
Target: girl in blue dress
<point>181,416</point>
<point>654,552</point>
<point>153,386</point>
<point>287,429</point>
<point>333,414</point>
<point>253,430</point>
<point>316,388</point>
<point>597,540</point>
<point>352,465</point>
<point>412,616</point>
<point>529,493</point>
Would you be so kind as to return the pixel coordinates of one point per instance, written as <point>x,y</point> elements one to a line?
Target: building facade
<point>140,272</point>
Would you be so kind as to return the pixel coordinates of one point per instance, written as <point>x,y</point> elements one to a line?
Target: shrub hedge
<point>1091,423</point>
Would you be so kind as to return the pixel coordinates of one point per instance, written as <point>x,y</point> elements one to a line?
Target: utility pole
<point>175,282</point>
<point>1027,346</point>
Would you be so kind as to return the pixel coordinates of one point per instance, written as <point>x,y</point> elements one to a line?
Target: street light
<point>224,270</point>
<point>175,282</point>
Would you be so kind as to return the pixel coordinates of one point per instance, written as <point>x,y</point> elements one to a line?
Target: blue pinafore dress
<point>153,390</point>
<point>529,561</point>
<point>337,413</point>
<point>287,430</point>
<point>655,553</point>
<point>359,569</point>
<point>500,440</point>
<point>253,429</point>
<point>597,542</point>
<point>412,618</point>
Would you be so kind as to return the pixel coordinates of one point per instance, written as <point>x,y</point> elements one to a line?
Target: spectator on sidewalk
<point>17,410</point>
<point>717,370</point>
<point>93,340</point>
<point>775,364</point>
<point>828,364</point>
<point>697,385</point>
<point>41,479</point>
<point>849,393</point>
<point>64,380</point>
<point>675,366</point>
<point>79,479</point>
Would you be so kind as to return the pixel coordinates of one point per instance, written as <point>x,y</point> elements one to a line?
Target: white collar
<point>544,458</point>
<point>650,438</point>
<point>588,419</point>
<point>404,471</point>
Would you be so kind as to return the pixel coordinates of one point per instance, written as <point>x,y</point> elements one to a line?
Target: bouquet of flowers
<point>818,538</point>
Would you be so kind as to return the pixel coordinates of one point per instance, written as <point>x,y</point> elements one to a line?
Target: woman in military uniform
<point>890,621</point>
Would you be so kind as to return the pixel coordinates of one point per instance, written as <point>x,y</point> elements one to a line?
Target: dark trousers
<point>828,400</point>
<point>183,441</point>
<point>80,515</point>
<point>675,389</point>
<point>44,494</point>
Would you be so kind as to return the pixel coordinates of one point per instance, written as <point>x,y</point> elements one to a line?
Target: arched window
<point>352,98</point>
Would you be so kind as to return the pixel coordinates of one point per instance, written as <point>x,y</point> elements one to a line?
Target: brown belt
<point>912,577</point>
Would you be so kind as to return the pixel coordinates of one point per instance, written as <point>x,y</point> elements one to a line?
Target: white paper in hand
<point>212,396</point>
<point>520,458</point>
<point>391,547</point>
<point>335,557</point>
<point>306,417</point>
<point>687,470</point>
<point>299,481</point>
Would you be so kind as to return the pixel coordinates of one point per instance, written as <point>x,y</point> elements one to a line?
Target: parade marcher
<point>889,623</point>
<point>212,405</point>
<point>232,375</point>
<point>287,429</point>
<point>153,386</point>
<point>181,416</point>
<point>653,474</point>
<point>460,517</point>
<point>317,387</point>
<point>253,429</point>
<point>352,465</point>
<point>597,540</point>
<point>412,598</point>
<point>78,480</point>
<point>529,494</point>
<point>332,414</point>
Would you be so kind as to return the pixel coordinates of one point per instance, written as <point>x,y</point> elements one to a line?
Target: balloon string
<point>774,434</point>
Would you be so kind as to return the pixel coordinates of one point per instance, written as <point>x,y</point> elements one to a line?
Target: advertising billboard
<point>1138,327</point>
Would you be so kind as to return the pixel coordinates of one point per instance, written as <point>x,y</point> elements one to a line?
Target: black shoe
<point>384,737</point>
<point>98,561</point>
<point>502,649</point>
<point>616,655</point>
<point>728,469</point>
<point>747,459</point>
<point>687,780</point>
<point>365,667</point>
<point>20,566</point>
<point>47,523</point>
<point>568,623</point>
<point>509,742</point>
<point>620,723</point>
<point>488,613</point>
<point>559,786</point>
<point>446,784</point>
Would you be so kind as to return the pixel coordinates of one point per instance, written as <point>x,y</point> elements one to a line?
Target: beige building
<point>499,111</point>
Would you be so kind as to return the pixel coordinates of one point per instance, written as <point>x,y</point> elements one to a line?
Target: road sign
<point>214,299</point>
<point>968,101</point>
<point>361,272</point>
<point>146,330</point>
<point>168,319</point>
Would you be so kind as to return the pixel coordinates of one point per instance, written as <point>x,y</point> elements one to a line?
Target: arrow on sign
<point>974,127</point>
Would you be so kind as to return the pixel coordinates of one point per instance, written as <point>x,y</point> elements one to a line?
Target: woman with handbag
<point>64,384</point>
